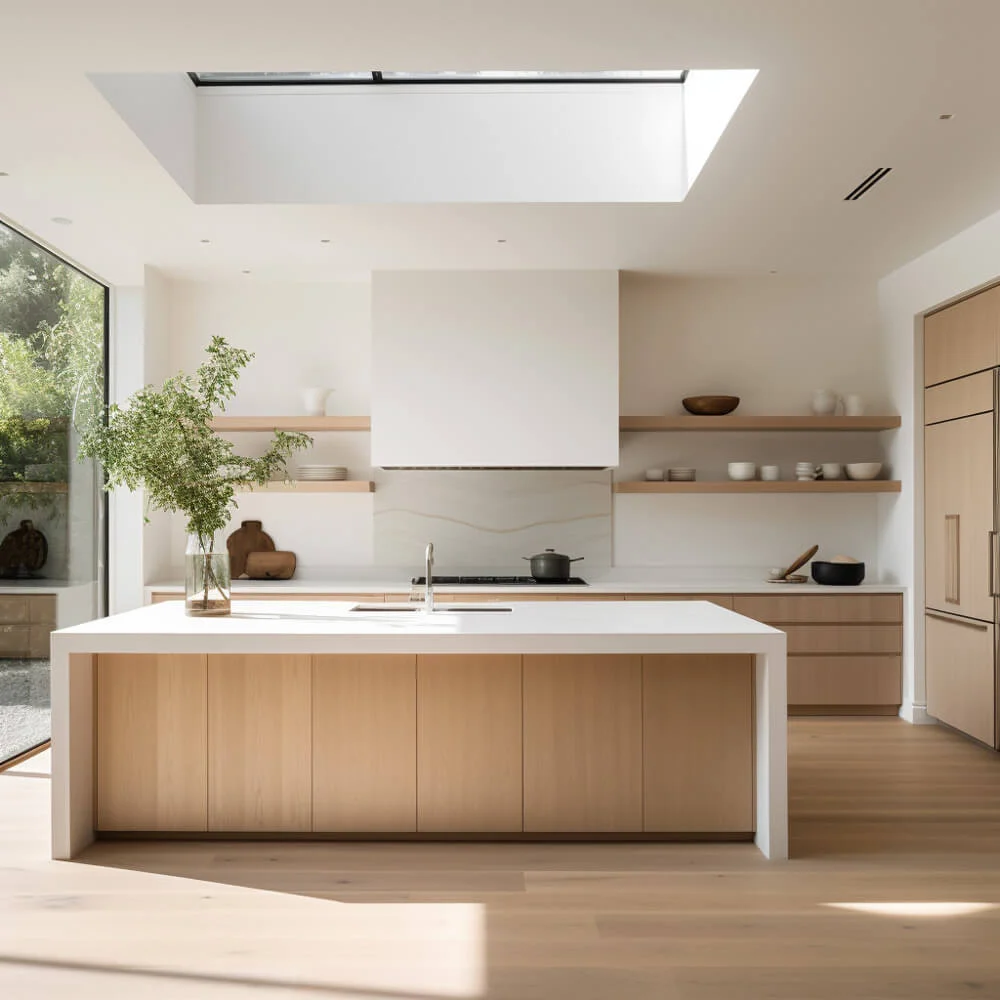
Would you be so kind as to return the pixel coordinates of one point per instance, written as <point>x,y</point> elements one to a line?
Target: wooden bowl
<point>710,406</point>
<point>270,565</point>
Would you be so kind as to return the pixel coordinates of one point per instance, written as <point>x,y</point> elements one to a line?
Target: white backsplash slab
<point>490,518</point>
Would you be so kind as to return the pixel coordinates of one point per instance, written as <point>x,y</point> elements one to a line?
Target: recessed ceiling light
<point>61,220</point>
<point>324,241</point>
<point>945,118</point>
<point>204,241</point>
<point>773,270</point>
<point>3,173</point>
<point>501,241</point>
<point>246,270</point>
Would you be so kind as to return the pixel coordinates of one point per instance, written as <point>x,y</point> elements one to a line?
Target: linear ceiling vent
<point>868,183</point>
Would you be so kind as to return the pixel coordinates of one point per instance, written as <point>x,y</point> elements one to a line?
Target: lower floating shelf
<point>20,486</point>
<point>758,486</point>
<point>321,486</point>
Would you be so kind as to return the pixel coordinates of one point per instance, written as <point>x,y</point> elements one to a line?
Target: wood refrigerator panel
<point>961,675</point>
<point>958,515</point>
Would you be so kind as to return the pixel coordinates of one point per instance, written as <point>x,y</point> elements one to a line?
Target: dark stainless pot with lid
<point>550,566</point>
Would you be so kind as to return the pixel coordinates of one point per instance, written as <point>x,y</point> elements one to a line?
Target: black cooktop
<point>496,581</point>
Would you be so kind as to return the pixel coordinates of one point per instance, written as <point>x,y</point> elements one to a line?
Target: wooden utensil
<point>801,561</point>
<point>270,565</point>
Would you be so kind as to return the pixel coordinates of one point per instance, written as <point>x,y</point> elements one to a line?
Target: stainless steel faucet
<point>428,571</point>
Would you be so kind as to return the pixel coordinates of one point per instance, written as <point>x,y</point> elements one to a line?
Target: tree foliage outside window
<point>51,369</point>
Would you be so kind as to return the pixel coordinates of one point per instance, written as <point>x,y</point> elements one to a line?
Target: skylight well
<point>441,76</point>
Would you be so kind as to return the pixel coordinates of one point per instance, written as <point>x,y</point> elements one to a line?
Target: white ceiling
<point>845,86</point>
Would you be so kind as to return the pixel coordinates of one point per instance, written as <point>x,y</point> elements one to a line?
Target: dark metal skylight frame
<point>394,78</point>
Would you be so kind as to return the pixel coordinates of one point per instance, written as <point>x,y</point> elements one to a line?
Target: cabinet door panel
<point>698,744</point>
<point>582,743</point>
<point>844,680</point>
<point>259,743</point>
<point>958,515</point>
<point>469,743</point>
<point>960,676</point>
<point>963,338</point>
<point>365,743</point>
<point>152,742</point>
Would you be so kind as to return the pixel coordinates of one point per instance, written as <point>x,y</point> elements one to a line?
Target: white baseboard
<point>916,714</point>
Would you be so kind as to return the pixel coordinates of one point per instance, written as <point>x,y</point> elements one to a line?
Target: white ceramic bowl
<point>742,470</point>
<point>863,470</point>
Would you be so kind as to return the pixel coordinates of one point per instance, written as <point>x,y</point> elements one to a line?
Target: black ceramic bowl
<point>838,574</point>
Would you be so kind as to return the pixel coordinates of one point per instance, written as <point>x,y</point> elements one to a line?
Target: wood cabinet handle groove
<point>956,620</point>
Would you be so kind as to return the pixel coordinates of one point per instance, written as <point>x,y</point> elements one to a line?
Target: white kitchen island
<point>562,720</point>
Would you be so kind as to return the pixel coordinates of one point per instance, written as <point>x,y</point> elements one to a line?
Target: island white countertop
<point>330,626</point>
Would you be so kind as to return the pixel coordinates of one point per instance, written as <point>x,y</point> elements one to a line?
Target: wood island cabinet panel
<point>259,743</point>
<point>583,743</point>
<point>698,744</point>
<point>845,680</point>
<point>152,742</point>
<point>469,743</point>
<point>821,608</point>
<point>723,600</point>
<point>962,338</point>
<point>364,722</point>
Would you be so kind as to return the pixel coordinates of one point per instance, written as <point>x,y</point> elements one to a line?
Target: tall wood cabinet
<point>961,564</point>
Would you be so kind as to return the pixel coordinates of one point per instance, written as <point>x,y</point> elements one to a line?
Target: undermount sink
<point>439,609</point>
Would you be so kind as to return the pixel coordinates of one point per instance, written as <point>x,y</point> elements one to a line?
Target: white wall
<point>771,341</point>
<point>960,265</point>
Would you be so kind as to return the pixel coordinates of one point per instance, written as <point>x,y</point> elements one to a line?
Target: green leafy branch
<point>162,442</point>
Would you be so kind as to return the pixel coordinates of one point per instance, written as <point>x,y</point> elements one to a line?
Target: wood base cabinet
<point>364,763</point>
<point>697,726</point>
<point>469,744</point>
<point>152,742</point>
<point>583,744</point>
<point>259,743</point>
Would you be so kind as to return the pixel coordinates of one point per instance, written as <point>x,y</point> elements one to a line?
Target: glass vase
<point>207,584</point>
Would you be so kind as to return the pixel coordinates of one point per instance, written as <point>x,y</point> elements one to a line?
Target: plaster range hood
<point>495,369</point>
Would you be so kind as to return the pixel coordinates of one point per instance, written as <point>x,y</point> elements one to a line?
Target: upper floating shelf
<point>805,422</point>
<point>313,486</point>
<point>18,486</point>
<point>306,424</point>
<point>757,486</point>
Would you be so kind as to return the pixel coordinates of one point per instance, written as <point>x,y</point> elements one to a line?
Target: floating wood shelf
<point>306,424</point>
<point>20,487</point>
<point>757,486</point>
<point>323,486</point>
<point>742,423</point>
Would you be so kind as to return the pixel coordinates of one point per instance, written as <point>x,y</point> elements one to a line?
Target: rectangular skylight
<point>442,76</point>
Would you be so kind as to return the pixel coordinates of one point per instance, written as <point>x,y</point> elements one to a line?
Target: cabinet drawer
<point>723,600</point>
<point>13,610</point>
<point>805,640</point>
<point>818,609</point>
<point>15,640</point>
<point>844,680</point>
<point>961,398</point>
<point>42,610</point>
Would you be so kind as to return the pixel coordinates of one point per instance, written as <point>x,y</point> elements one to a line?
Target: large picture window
<point>53,346</point>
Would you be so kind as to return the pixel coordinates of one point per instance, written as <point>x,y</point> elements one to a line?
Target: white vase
<point>824,402</point>
<point>854,405</point>
<point>314,400</point>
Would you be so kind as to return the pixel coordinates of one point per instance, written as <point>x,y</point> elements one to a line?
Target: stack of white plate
<point>321,473</point>
<point>680,475</point>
